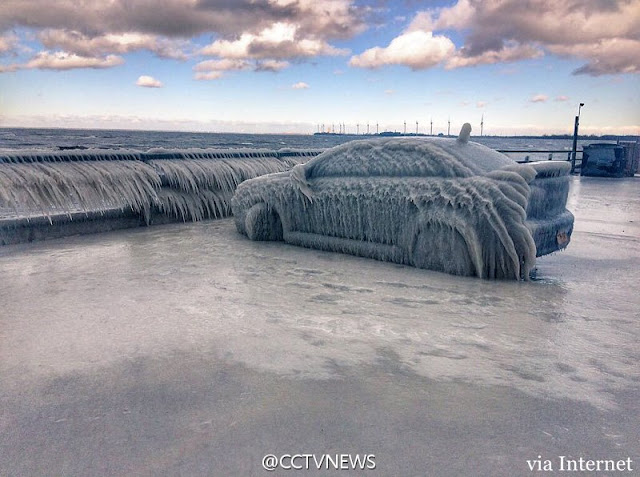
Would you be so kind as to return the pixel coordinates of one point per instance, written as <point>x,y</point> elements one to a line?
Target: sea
<point>20,139</point>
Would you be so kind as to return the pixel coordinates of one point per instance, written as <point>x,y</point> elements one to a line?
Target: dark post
<point>575,139</point>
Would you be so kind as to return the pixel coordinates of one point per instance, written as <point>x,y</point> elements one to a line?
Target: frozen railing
<point>534,155</point>
<point>189,184</point>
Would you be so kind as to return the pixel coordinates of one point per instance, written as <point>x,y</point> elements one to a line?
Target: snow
<point>442,204</point>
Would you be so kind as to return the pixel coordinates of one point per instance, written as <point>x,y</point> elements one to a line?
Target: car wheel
<point>442,248</point>
<point>263,223</point>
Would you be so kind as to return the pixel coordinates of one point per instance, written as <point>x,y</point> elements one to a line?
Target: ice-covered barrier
<point>187,184</point>
<point>200,184</point>
<point>46,188</point>
<point>442,204</point>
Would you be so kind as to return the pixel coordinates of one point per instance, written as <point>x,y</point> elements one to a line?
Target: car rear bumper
<point>551,235</point>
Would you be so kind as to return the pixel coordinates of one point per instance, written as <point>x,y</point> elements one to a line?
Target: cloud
<point>76,42</point>
<point>300,85</point>
<point>539,98</point>
<point>615,55</point>
<point>604,33</point>
<point>8,42</point>
<point>185,18</point>
<point>222,65</point>
<point>148,82</point>
<point>280,40</point>
<point>506,54</point>
<point>273,31</point>
<point>210,75</point>
<point>415,49</point>
<point>214,69</point>
<point>481,104</point>
<point>61,60</point>
<point>561,98</point>
<point>389,91</point>
<point>271,65</point>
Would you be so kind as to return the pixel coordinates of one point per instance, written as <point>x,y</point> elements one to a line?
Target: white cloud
<point>502,31</point>
<point>415,49</point>
<point>76,42</point>
<point>222,65</point>
<point>562,98</point>
<point>214,69</point>
<point>280,40</point>
<point>272,31</point>
<point>148,82</point>
<point>507,54</point>
<point>300,85</point>
<point>211,75</point>
<point>61,60</point>
<point>539,98</point>
<point>271,65</point>
<point>481,104</point>
<point>605,32</point>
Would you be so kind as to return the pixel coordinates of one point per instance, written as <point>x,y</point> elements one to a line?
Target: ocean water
<point>55,139</point>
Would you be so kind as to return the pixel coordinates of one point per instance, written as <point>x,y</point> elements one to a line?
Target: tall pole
<point>449,127</point>
<point>367,128</point>
<point>431,131</point>
<point>357,129</point>
<point>416,127</point>
<point>575,139</point>
<point>482,125</point>
<point>376,127</point>
<point>405,128</point>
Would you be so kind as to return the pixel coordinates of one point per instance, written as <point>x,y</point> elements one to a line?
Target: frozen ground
<point>190,350</point>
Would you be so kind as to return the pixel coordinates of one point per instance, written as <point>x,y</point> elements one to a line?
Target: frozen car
<point>442,204</point>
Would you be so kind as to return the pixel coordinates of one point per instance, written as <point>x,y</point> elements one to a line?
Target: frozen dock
<point>186,349</point>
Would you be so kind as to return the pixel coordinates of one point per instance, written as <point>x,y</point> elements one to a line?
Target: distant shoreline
<point>592,137</point>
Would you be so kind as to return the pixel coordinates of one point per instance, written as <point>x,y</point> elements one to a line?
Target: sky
<point>300,66</point>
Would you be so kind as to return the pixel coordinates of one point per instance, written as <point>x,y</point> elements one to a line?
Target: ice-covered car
<point>442,204</point>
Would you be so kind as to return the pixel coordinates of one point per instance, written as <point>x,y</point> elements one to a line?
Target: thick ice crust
<point>423,203</point>
<point>467,226</point>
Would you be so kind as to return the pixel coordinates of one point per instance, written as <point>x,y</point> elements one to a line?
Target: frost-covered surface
<point>424,157</point>
<point>46,188</point>
<point>83,305</point>
<point>201,188</point>
<point>442,204</point>
<point>190,184</point>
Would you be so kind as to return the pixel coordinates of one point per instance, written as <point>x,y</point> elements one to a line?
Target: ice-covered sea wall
<point>191,184</point>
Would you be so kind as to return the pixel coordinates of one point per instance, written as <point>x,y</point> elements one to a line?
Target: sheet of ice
<point>88,303</point>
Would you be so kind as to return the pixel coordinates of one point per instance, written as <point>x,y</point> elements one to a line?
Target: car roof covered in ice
<point>406,157</point>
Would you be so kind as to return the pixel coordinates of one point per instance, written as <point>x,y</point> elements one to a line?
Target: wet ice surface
<point>86,303</point>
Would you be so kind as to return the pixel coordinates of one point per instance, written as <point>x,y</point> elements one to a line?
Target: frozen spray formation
<point>442,204</point>
<point>190,184</point>
<point>46,188</point>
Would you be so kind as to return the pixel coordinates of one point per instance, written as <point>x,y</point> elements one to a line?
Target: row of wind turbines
<point>342,129</point>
